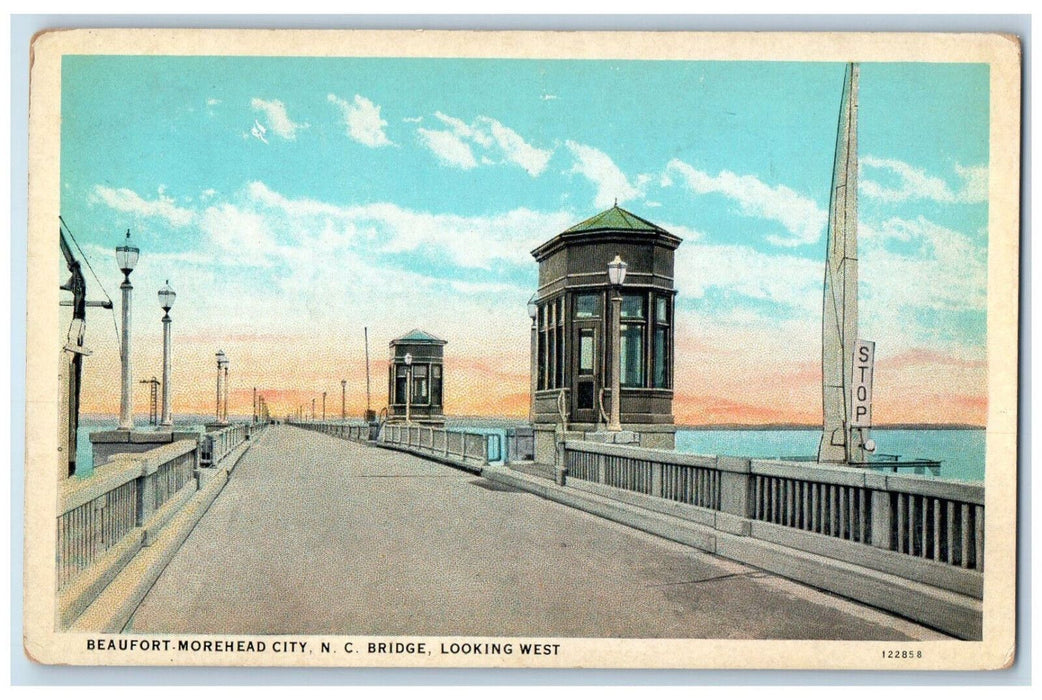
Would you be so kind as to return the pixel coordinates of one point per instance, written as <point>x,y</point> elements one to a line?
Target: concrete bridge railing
<point>930,519</point>
<point>96,514</point>
<point>105,519</point>
<point>355,432</point>
<point>454,446</point>
<point>217,444</point>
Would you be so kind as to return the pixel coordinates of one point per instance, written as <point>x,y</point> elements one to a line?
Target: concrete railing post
<point>736,486</point>
<point>656,479</point>
<point>602,468</point>
<point>882,519</point>
<point>737,496</point>
<point>146,499</point>
<point>561,464</point>
<point>198,454</point>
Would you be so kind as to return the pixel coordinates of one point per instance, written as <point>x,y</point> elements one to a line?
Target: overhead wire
<point>112,306</point>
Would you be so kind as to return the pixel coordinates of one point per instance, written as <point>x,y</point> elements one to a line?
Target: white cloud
<point>597,167</point>
<point>475,241</point>
<point>516,150</point>
<point>466,241</point>
<point>496,142</point>
<point>241,236</point>
<point>131,202</point>
<point>412,120</point>
<point>212,102</point>
<point>915,184</point>
<point>800,215</point>
<point>789,280</point>
<point>464,130</point>
<point>975,182</point>
<point>277,118</point>
<point>485,288</point>
<point>363,121</point>
<point>448,147</point>
<point>946,270</point>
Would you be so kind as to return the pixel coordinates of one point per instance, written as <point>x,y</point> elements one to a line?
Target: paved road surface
<point>322,536</point>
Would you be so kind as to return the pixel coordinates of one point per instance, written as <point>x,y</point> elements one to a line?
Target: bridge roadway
<point>318,535</point>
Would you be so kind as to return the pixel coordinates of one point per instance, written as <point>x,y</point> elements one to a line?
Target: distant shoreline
<point>713,426</point>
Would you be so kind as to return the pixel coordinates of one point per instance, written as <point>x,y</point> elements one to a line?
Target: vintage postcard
<point>522,349</point>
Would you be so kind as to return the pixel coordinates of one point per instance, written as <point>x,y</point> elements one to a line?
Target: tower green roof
<point>418,336</point>
<point>614,223</point>
<point>615,219</point>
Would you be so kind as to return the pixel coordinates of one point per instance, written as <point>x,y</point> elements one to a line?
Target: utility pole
<point>368,407</point>
<point>153,392</point>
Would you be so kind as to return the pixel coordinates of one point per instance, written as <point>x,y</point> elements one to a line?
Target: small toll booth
<point>572,331</point>
<point>414,386</point>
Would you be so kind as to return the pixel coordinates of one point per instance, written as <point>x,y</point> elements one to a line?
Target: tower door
<point>586,386</point>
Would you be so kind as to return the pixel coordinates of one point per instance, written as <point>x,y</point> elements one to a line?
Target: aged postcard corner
<point>522,349</point>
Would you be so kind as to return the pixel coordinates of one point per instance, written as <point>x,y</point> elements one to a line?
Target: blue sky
<point>326,188</point>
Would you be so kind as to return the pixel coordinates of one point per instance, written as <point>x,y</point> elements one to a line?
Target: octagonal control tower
<point>414,382</point>
<point>572,333</point>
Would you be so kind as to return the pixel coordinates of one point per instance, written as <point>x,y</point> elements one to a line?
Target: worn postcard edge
<point>1003,54</point>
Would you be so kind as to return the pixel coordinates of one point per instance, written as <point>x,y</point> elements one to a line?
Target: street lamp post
<point>254,404</point>
<point>323,407</point>
<point>408,387</point>
<point>312,409</point>
<point>533,313</point>
<point>225,412</point>
<point>221,361</point>
<point>343,400</point>
<point>616,278</point>
<point>166,302</point>
<point>126,258</point>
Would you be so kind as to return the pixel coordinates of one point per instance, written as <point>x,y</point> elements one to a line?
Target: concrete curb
<point>115,605</point>
<point>447,461</point>
<point>949,612</point>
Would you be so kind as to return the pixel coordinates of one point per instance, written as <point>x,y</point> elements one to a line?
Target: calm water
<point>961,452</point>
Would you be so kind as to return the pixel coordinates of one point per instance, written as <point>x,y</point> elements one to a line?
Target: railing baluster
<point>865,519</point>
<point>901,522</point>
<point>978,537</point>
<point>964,531</point>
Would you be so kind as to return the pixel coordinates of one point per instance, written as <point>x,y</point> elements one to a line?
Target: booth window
<point>661,344</point>
<point>587,305</point>
<point>559,343</point>
<point>541,342</point>
<point>401,382</point>
<point>586,351</point>
<point>551,346</point>
<point>633,306</point>
<point>436,385</point>
<point>419,384</point>
<point>631,354</point>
